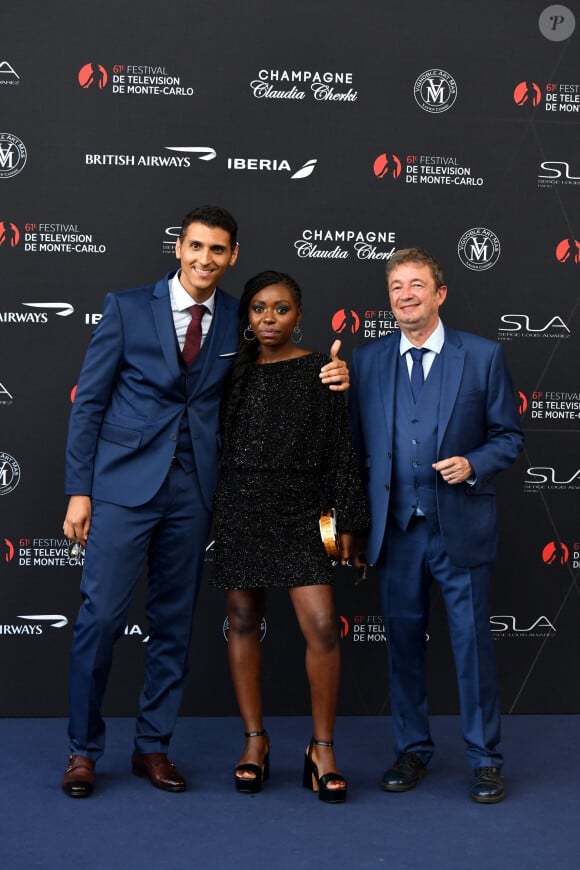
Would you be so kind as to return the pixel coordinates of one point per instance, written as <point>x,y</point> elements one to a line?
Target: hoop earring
<point>296,335</point>
<point>251,337</point>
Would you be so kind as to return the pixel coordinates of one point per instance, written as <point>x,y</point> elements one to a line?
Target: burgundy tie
<point>193,334</point>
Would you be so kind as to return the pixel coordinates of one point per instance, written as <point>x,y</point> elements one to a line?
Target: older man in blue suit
<point>434,421</point>
<point>141,470</point>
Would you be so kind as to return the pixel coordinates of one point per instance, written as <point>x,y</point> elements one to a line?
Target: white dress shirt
<point>433,346</point>
<point>180,302</point>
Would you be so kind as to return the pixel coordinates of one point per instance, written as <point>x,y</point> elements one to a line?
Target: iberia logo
<point>555,553</point>
<point>387,165</point>
<point>527,94</point>
<point>346,320</point>
<point>93,75</point>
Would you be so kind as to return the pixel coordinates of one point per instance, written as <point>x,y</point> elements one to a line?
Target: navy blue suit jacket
<point>477,419</point>
<point>130,398</point>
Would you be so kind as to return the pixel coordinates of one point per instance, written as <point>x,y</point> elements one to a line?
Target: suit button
<point>389,455</point>
<point>387,487</point>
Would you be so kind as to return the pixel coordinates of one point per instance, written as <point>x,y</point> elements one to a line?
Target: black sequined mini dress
<point>288,455</point>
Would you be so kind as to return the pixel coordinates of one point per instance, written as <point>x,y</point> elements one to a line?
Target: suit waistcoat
<point>189,379</point>
<point>415,446</point>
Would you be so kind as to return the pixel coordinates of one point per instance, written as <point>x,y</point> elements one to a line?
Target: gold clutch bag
<point>328,533</point>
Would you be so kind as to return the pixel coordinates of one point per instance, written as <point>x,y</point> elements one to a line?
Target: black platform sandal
<point>318,783</point>
<point>261,772</point>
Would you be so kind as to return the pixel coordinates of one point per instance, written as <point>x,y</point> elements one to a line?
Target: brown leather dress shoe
<point>79,777</point>
<point>160,771</point>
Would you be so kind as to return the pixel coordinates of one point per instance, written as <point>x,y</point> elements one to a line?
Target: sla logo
<point>346,320</point>
<point>9,474</point>
<point>226,629</point>
<point>12,155</point>
<point>527,94</point>
<point>387,165</point>
<point>556,552</point>
<point>522,322</point>
<point>508,624</point>
<point>93,75</point>
<point>9,551</point>
<point>6,398</point>
<point>344,627</point>
<point>568,251</point>
<point>522,403</point>
<point>479,249</point>
<point>538,475</point>
<point>9,234</point>
<point>553,174</point>
<point>8,75</point>
<point>435,91</point>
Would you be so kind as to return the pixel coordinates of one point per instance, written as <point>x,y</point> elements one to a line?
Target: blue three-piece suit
<point>143,444</point>
<point>423,528</point>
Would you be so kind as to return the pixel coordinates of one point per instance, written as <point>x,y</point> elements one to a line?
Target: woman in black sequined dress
<point>286,454</point>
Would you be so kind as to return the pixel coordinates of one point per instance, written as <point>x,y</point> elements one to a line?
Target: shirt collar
<point>180,298</point>
<point>434,342</point>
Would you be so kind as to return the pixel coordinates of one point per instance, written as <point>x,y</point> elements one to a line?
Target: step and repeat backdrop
<point>335,134</point>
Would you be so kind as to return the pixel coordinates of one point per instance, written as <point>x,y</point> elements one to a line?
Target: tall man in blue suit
<point>434,421</point>
<point>141,470</point>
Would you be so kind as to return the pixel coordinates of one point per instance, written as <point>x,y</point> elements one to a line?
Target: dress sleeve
<point>342,486</point>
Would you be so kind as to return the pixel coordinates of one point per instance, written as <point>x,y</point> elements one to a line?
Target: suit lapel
<point>453,359</point>
<point>163,318</point>
<point>387,374</point>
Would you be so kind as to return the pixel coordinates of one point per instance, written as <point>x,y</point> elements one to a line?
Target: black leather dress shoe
<point>487,787</point>
<point>161,772</point>
<point>405,773</point>
<point>79,777</point>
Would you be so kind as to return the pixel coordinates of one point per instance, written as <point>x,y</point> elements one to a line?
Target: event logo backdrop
<point>334,138</point>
